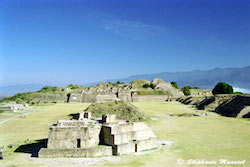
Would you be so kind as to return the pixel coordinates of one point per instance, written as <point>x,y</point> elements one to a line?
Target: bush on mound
<point>223,88</point>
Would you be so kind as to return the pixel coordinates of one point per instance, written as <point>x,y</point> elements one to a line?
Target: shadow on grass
<point>74,116</point>
<point>32,148</point>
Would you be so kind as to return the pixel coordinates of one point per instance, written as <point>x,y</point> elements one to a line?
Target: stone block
<point>90,152</point>
<point>1,154</point>
<point>85,115</point>
<point>108,118</point>
<point>145,144</point>
<point>126,148</point>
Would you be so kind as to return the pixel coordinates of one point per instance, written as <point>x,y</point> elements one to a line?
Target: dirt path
<point>24,114</point>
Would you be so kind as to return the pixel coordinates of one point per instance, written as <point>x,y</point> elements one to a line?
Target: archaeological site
<point>89,137</point>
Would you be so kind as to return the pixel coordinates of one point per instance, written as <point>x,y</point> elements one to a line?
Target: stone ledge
<point>90,152</point>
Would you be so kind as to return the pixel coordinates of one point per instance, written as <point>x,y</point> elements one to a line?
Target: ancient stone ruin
<point>132,92</point>
<point>89,137</point>
<point>12,107</point>
<point>229,105</point>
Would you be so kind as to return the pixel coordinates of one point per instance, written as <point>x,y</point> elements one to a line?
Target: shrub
<point>72,86</point>
<point>48,89</point>
<point>223,88</point>
<point>18,100</point>
<point>118,82</point>
<point>174,84</point>
<point>146,86</point>
<point>186,90</point>
<point>149,86</point>
<point>1,111</point>
<point>20,97</point>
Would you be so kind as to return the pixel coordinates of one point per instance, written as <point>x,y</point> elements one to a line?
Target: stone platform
<point>98,151</point>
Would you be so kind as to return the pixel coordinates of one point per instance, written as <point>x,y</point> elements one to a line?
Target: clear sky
<point>78,41</point>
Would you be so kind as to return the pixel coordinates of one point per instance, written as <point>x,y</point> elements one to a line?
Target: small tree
<point>149,86</point>
<point>146,86</point>
<point>152,86</point>
<point>186,90</point>
<point>223,88</point>
<point>174,84</point>
<point>72,86</point>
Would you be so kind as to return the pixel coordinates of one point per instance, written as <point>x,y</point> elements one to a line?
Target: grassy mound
<point>120,109</point>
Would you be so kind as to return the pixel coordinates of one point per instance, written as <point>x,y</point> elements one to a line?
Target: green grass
<point>35,125</point>
<point>120,109</point>
<point>209,138</point>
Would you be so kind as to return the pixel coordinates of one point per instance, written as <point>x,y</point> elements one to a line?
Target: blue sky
<point>79,41</point>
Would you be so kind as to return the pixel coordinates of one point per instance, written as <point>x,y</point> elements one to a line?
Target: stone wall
<point>227,105</point>
<point>150,98</point>
<point>125,95</point>
<point>50,97</point>
<point>74,134</point>
<point>128,137</point>
<point>12,107</point>
<point>238,106</point>
<point>74,97</point>
<point>106,98</point>
<point>200,92</point>
<point>90,152</point>
<point>89,96</point>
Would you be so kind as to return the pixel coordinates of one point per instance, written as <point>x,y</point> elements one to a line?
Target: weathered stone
<point>237,106</point>
<point>1,154</point>
<point>126,148</point>
<point>85,115</point>
<point>89,152</point>
<point>72,134</point>
<point>12,107</point>
<point>150,98</point>
<point>108,118</point>
<point>106,98</point>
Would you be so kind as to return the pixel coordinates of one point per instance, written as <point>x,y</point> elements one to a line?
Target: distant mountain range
<point>14,89</point>
<point>238,77</point>
<point>3,96</point>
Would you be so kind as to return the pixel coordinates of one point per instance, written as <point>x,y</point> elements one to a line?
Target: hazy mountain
<point>14,89</point>
<point>238,77</point>
<point>3,96</point>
